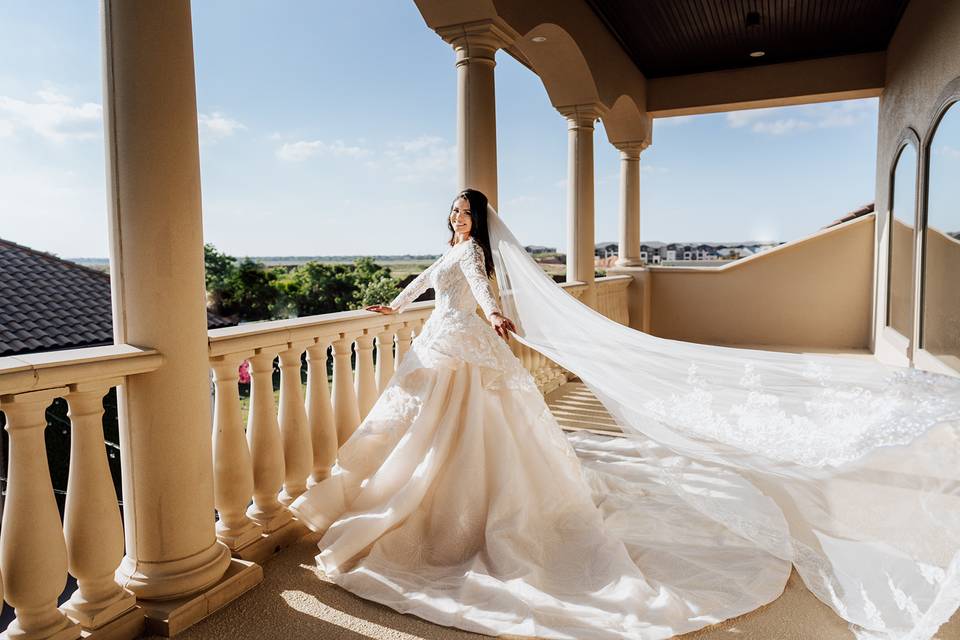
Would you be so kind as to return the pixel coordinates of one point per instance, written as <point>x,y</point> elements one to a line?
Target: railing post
<point>232,467</point>
<point>345,411</point>
<point>297,448</point>
<point>33,552</point>
<point>323,430</point>
<point>365,381</point>
<point>385,363</point>
<point>404,337</point>
<point>92,525</point>
<point>266,450</point>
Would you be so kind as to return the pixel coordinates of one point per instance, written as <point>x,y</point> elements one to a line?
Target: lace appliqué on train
<point>841,423</point>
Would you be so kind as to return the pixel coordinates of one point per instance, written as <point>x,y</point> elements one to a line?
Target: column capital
<point>631,150</point>
<point>581,116</point>
<point>478,40</point>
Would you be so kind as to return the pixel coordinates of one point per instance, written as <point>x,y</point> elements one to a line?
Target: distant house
<point>50,303</point>
<point>606,249</point>
<point>534,249</point>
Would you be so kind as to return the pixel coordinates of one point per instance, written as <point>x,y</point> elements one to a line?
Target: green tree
<point>251,292</point>
<point>219,269</point>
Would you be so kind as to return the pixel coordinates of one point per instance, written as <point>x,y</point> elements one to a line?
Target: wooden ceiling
<point>675,37</point>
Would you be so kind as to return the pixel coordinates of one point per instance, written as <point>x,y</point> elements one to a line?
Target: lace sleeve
<point>413,290</point>
<point>472,265</point>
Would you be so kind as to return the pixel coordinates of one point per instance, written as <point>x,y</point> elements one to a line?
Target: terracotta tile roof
<point>856,213</point>
<point>49,303</point>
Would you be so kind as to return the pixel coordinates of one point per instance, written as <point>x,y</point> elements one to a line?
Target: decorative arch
<point>627,122</point>
<point>560,64</point>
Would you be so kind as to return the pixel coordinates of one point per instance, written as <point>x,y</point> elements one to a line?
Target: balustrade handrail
<point>614,281</point>
<point>51,369</point>
<point>255,335</point>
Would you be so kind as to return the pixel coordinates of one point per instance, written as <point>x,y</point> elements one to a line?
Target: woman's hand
<point>380,308</point>
<point>502,325</point>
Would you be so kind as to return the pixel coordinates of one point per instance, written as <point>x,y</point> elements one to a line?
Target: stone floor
<point>295,601</point>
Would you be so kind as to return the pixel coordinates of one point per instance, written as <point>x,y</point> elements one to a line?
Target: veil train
<point>861,460</point>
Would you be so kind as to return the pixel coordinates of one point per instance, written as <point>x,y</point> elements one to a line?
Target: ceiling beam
<point>820,80</point>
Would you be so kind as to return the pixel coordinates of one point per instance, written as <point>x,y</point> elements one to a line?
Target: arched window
<point>903,207</point>
<point>940,301</point>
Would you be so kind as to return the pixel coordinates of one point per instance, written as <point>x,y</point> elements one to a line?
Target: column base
<point>174,579</point>
<point>272,543</point>
<point>170,617</point>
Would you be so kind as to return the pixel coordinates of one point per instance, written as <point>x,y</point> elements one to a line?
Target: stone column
<point>475,45</point>
<point>157,282</point>
<point>629,247</point>
<point>580,200</point>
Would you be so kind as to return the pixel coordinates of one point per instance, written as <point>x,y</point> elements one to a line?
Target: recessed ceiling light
<point>538,39</point>
<point>757,54</point>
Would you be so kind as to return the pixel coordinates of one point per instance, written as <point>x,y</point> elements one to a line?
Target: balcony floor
<point>295,601</point>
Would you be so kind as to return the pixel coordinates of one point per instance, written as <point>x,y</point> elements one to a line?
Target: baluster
<point>320,412</point>
<point>33,552</point>
<point>538,367</point>
<point>385,363</point>
<point>365,381</point>
<point>346,414</point>
<point>266,449</point>
<point>232,465</point>
<point>404,337</point>
<point>297,445</point>
<point>91,523</point>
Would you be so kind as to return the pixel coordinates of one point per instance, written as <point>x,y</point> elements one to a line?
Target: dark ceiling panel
<point>675,37</point>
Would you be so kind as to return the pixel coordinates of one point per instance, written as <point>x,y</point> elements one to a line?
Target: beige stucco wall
<point>923,57</point>
<point>812,292</point>
<point>942,322</point>
<point>901,278</point>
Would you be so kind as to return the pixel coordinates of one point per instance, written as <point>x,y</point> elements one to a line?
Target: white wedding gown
<point>459,499</point>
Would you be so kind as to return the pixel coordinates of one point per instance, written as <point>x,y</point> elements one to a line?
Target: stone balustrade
<point>612,297</point>
<point>36,551</point>
<point>259,467</point>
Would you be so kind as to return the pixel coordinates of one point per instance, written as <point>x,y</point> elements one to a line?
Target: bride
<point>459,498</point>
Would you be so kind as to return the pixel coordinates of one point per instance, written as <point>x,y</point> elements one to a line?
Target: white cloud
<point>54,117</point>
<point>785,120</point>
<point>519,202</point>
<point>304,149</point>
<point>943,150</point>
<point>215,125</point>
<point>421,158</point>
<point>413,160</point>
<point>672,121</point>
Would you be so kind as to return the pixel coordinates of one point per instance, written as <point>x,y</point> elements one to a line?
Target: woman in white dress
<point>460,499</point>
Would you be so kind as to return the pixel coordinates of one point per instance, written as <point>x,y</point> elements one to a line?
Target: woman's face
<point>461,218</point>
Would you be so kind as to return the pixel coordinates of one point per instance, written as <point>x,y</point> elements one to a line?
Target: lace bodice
<point>459,279</point>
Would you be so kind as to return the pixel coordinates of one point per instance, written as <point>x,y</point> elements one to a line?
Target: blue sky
<point>329,128</point>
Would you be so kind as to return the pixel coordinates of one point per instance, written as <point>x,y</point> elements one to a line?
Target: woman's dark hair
<point>478,215</point>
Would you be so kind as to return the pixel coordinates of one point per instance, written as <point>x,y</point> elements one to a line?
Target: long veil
<point>862,459</point>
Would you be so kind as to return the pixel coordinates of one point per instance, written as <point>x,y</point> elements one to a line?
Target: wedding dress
<point>459,498</point>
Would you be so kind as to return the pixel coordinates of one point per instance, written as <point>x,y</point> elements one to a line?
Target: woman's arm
<point>473,265</point>
<point>410,293</point>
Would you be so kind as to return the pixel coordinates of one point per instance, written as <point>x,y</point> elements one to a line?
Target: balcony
<point>202,543</point>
